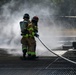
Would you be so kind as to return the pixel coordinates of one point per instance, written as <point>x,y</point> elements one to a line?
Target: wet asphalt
<point>15,65</point>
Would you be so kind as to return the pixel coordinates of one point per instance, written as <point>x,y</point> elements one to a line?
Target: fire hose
<point>50,50</point>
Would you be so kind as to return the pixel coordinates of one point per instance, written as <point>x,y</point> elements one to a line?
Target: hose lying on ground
<point>56,54</point>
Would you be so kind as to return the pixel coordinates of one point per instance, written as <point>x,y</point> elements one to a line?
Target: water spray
<point>55,53</point>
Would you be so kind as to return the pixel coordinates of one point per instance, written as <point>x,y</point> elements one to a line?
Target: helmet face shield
<point>34,21</point>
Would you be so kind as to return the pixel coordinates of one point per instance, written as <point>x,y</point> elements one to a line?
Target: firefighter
<point>35,20</point>
<point>24,33</point>
<point>32,30</point>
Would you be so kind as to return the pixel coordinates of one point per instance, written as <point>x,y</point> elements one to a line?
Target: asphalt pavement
<point>15,65</point>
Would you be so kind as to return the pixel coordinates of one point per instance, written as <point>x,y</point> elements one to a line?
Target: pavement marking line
<point>52,63</point>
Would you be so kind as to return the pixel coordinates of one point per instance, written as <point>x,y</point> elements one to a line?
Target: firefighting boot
<point>34,57</point>
<point>29,56</point>
<point>24,53</point>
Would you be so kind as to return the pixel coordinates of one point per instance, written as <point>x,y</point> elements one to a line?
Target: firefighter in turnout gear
<point>35,20</point>
<point>32,30</point>
<point>24,33</point>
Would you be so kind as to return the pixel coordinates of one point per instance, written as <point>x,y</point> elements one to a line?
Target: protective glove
<point>37,35</point>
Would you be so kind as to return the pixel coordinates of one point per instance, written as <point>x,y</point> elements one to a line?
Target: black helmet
<point>26,16</point>
<point>35,18</point>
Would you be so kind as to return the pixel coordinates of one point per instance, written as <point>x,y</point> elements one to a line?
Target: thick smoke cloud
<point>12,13</point>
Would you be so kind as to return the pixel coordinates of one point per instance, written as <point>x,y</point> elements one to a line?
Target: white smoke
<point>12,14</point>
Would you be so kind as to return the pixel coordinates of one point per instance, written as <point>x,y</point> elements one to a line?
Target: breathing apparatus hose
<point>50,50</point>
